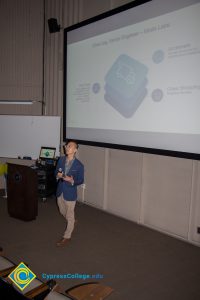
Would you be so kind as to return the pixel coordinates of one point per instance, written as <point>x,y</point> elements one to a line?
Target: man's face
<point>70,148</point>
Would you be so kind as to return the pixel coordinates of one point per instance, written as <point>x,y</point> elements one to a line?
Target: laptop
<point>47,153</point>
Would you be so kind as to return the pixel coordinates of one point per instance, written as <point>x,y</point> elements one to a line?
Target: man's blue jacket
<point>77,172</point>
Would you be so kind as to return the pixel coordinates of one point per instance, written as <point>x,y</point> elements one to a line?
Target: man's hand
<point>59,175</point>
<point>69,179</point>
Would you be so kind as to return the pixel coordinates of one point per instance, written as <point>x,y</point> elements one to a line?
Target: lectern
<point>22,192</point>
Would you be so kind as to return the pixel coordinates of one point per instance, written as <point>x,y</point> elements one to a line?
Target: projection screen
<point>132,78</point>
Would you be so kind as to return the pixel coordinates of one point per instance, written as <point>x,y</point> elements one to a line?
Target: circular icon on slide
<point>157,95</point>
<point>158,56</point>
<point>96,88</point>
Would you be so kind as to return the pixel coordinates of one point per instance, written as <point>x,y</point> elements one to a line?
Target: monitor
<point>47,153</point>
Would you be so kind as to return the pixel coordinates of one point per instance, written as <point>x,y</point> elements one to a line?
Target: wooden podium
<point>22,198</point>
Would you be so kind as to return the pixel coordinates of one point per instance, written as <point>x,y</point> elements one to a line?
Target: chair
<point>89,290</point>
<point>35,290</point>
<point>53,295</point>
<point>8,292</point>
<point>6,266</point>
<point>38,288</point>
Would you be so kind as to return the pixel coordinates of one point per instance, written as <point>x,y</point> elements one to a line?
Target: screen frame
<point>163,152</point>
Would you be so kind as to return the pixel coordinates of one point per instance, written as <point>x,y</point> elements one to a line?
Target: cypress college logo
<point>22,276</point>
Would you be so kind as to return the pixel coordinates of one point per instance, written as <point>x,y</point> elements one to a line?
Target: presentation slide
<point>138,84</point>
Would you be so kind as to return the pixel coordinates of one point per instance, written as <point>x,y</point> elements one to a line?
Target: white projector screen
<point>132,78</point>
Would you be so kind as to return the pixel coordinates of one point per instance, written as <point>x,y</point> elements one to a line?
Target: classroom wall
<point>21,55</point>
<point>156,191</point>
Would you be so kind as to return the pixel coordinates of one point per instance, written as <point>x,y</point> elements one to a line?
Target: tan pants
<point>67,210</point>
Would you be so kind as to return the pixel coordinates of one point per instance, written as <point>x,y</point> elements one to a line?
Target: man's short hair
<point>73,141</point>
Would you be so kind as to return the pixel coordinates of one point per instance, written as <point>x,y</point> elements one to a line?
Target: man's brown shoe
<point>62,242</point>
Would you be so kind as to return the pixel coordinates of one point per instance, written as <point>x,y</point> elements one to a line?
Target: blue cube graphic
<point>126,85</point>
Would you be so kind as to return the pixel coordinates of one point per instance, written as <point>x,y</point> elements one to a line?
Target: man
<point>70,174</point>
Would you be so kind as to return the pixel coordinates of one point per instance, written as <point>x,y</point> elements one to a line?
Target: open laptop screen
<point>47,153</point>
